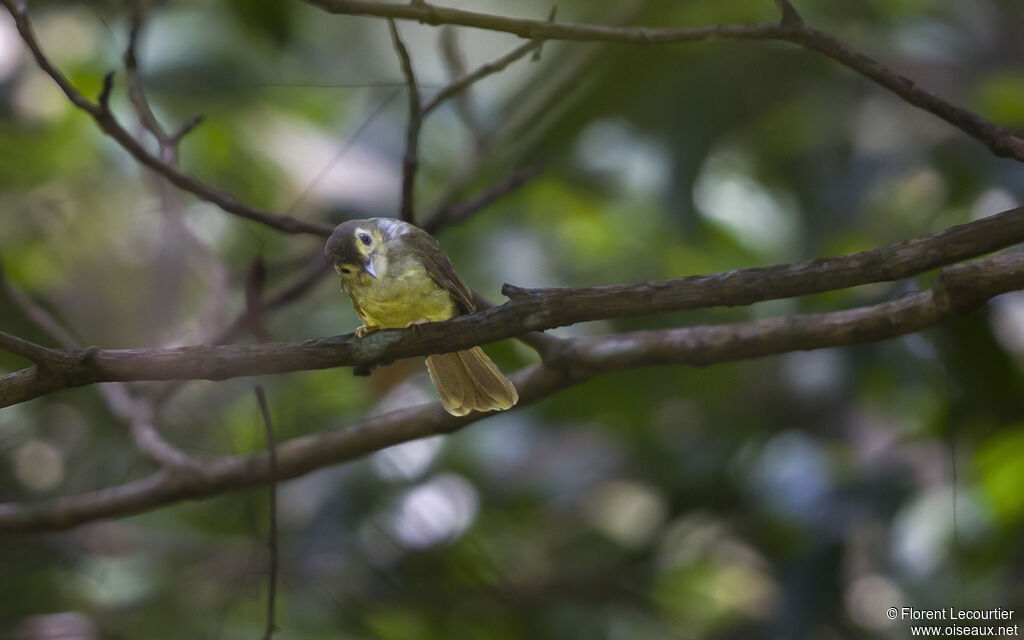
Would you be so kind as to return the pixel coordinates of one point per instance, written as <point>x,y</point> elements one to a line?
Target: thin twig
<point>454,213</point>
<point>789,13</point>
<point>42,356</point>
<point>140,414</point>
<point>345,146</point>
<point>261,400</point>
<point>456,65</point>
<point>35,312</point>
<point>460,84</point>
<point>143,110</point>
<point>410,161</point>
<point>255,281</point>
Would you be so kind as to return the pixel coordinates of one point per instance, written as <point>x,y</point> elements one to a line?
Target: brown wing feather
<point>440,268</point>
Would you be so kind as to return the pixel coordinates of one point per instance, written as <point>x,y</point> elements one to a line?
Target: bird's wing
<point>440,268</point>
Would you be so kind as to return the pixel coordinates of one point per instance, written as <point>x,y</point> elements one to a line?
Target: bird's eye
<point>344,270</point>
<point>365,238</point>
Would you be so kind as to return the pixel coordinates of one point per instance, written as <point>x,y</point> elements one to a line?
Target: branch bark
<point>528,310</point>
<point>956,289</point>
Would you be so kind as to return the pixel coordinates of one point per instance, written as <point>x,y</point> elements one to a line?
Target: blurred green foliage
<point>789,497</point>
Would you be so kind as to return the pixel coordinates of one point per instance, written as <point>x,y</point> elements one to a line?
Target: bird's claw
<point>362,331</point>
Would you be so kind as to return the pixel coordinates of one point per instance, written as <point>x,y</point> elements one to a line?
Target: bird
<point>397,276</point>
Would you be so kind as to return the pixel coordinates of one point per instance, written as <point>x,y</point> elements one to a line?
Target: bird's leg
<point>362,331</point>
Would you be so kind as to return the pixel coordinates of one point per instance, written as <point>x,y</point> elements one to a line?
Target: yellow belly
<point>395,300</point>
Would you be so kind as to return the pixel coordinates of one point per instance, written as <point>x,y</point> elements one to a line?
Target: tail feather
<point>469,381</point>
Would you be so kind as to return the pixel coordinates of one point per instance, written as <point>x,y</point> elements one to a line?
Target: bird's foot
<point>362,331</point>
<point>416,323</point>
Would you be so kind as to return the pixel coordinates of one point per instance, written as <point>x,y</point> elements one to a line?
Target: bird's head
<point>354,247</point>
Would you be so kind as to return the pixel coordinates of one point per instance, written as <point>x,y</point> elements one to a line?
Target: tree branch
<point>956,289</point>
<point>453,213</point>
<point>141,415</point>
<point>42,356</point>
<point>528,310</point>
<point>789,13</point>
<point>135,92</point>
<point>1000,140</point>
<point>410,162</point>
<point>462,83</point>
<point>268,426</point>
<point>103,117</point>
<point>455,64</point>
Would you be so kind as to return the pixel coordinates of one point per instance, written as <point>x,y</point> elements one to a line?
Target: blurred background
<point>788,497</point>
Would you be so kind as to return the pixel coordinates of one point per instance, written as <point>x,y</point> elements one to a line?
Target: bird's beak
<point>368,267</point>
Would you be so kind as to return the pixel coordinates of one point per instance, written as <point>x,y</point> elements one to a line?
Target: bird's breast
<point>406,293</point>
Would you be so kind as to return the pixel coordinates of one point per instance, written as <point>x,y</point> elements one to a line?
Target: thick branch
<point>109,125</point>
<point>957,289</point>
<point>528,310</point>
<point>1000,140</point>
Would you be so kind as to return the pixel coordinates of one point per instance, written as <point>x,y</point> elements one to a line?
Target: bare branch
<point>410,162</point>
<point>36,313</point>
<point>255,281</point>
<point>109,125</point>
<point>1000,140</point>
<point>957,289</point>
<point>532,310</point>
<point>289,292</point>
<point>42,356</point>
<point>185,129</point>
<point>456,66</point>
<point>135,92</point>
<point>141,415</point>
<point>104,97</point>
<point>454,213</point>
<point>460,84</point>
<point>790,17</point>
<point>543,343</point>
<point>268,426</point>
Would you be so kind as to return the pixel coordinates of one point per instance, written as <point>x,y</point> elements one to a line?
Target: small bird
<point>397,276</point>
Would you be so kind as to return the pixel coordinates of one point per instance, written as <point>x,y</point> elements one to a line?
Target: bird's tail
<point>469,381</point>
